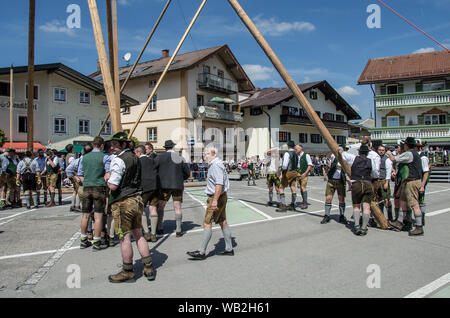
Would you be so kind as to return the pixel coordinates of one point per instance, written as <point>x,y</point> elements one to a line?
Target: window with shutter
<point>383,121</point>
<point>400,89</point>
<point>402,121</point>
<point>447,84</point>
<point>383,90</point>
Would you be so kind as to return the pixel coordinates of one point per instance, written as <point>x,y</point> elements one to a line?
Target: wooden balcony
<point>218,114</point>
<point>420,99</point>
<point>304,121</point>
<point>215,83</point>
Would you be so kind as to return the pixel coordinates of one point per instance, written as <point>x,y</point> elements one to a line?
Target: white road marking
<point>256,210</point>
<point>43,270</point>
<point>438,212</point>
<point>433,192</point>
<point>428,289</point>
<point>35,253</point>
<point>21,213</point>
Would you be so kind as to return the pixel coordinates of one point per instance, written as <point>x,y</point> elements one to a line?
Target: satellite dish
<point>202,109</point>
<point>127,57</point>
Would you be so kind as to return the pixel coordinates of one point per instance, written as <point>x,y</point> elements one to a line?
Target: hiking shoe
<point>291,207</point>
<point>90,237</point>
<point>104,242</point>
<point>407,227</point>
<point>282,208</point>
<point>97,246</point>
<point>147,236</point>
<point>418,231</point>
<point>112,242</point>
<point>326,219</point>
<point>122,277</point>
<point>85,243</point>
<point>357,230</point>
<point>179,234</point>
<point>343,219</point>
<point>363,232</point>
<point>153,238</point>
<point>396,225</point>
<point>150,273</point>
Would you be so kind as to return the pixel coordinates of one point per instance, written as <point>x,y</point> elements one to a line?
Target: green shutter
<point>419,87</point>
<point>383,121</point>
<point>402,121</point>
<point>448,118</point>
<point>400,89</point>
<point>421,120</point>
<point>447,84</point>
<point>383,90</point>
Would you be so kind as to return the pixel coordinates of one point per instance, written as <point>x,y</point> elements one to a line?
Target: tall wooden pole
<point>30,109</point>
<point>172,58</point>
<point>11,106</point>
<point>115,55</point>
<point>139,57</point>
<point>114,109</point>
<point>378,214</point>
<point>290,83</point>
<point>110,36</point>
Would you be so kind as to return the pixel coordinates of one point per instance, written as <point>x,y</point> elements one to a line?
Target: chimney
<point>165,53</point>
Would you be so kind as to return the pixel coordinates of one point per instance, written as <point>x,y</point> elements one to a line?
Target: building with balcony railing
<point>411,97</point>
<point>196,103</point>
<point>275,113</point>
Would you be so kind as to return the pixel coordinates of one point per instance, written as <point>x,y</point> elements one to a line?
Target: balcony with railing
<point>418,99</point>
<point>437,132</point>
<point>208,112</point>
<point>304,121</point>
<point>216,83</point>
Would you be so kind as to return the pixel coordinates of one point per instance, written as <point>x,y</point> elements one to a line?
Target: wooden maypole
<point>30,108</point>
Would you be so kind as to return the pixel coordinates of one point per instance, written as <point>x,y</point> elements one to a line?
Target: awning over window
<point>21,146</point>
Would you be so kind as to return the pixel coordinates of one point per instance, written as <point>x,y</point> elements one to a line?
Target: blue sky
<point>315,40</point>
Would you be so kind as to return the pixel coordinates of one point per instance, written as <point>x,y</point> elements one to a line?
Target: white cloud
<point>258,72</point>
<point>424,50</point>
<point>56,26</point>
<point>274,28</point>
<point>348,91</point>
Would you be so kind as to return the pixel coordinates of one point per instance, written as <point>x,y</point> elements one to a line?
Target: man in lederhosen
<point>304,167</point>
<point>288,177</point>
<point>410,193</point>
<point>426,169</point>
<point>384,189</point>
<point>216,190</point>
<point>273,171</point>
<point>13,191</point>
<point>362,190</point>
<point>337,182</point>
<point>52,171</point>
<point>172,171</point>
<point>41,182</point>
<point>127,208</point>
<point>251,172</point>
<point>26,170</point>
<point>150,193</point>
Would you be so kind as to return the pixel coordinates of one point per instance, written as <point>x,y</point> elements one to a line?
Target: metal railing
<point>219,114</point>
<point>421,132</point>
<point>207,80</point>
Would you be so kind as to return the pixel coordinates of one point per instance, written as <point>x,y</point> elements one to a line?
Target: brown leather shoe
<point>418,231</point>
<point>50,204</point>
<point>150,273</point>
<point>153,238</point>
<point>122,277</point>
<point>282,208</point>
<point>147,236</point>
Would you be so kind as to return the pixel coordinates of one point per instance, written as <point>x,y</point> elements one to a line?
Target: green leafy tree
<point>136,141</point>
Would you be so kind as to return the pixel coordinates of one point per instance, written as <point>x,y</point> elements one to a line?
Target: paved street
<point>276,255</point>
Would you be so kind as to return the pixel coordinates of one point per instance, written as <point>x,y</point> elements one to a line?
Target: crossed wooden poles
<point>113,93</point>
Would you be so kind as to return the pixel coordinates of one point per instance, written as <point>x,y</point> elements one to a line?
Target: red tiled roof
<point>412,66</point>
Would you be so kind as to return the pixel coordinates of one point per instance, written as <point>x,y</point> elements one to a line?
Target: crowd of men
<point>115,181</point>
<point>372,171</point>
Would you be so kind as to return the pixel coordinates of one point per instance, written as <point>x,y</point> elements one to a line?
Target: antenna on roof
<point>127,58</point>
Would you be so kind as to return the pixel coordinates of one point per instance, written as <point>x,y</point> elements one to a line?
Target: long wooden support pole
<point>172,58</point>
<point>290,83</point>
<point>30,107</point>
<point>11,106</point>
<point>114,109</point>
<point>115,56</point>
<point>379,216</point>
<point>139,57</point>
